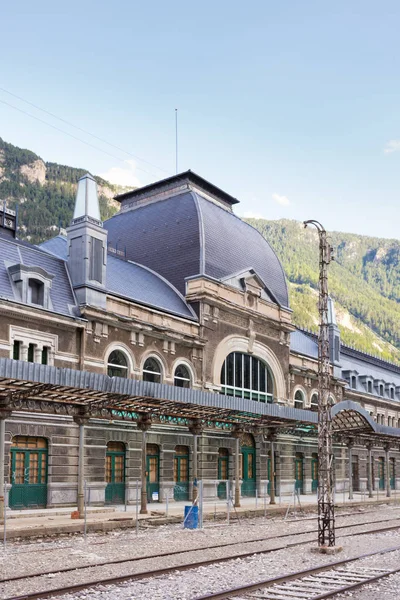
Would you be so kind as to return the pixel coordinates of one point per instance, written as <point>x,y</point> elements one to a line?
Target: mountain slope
<point>44,192</point>
<point>364,280</point>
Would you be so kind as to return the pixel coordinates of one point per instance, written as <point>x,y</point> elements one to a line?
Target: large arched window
<point>182,377</point>
<point>245,376</point>
<point>117,364</point>
<point>299,399</point>
<point>152,370</point>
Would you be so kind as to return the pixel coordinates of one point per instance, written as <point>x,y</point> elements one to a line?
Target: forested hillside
<point>364,279</point>
<point>44,192</point>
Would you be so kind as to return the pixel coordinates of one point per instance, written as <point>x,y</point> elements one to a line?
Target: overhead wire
<point>79,129</point>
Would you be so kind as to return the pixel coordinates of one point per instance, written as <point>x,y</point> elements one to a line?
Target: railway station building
<point>159,347</point>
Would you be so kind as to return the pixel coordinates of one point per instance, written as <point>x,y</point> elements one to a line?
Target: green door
<point>181,473</point>
<point>314,473</point>
<point>115,473</point>
<point>28,473</point>
<point>248,471</point>
<point>381,473</point>
<point>392,473</point>
<point>223,472</point>
<point>153,473</point>
<point>299,469</point>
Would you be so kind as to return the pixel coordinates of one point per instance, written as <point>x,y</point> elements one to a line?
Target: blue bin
<point>191,519</point>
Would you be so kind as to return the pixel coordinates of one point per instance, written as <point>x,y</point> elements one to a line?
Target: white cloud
<point>282,200</point>
<point>392,146</point>
<point>123,176</point>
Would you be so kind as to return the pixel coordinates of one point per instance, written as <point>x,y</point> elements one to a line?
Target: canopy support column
<point>236,434</point>
<point>272,491</point>
<point>81,421</point>
<point>350,469</point>
<point>195,428</point>
<point>4,414</point>
<point>387,474</point>
<point>369,470</point>
<point>144,424</point>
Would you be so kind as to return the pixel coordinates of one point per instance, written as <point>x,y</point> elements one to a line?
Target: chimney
<point>8,221</point>
<point>87,246</point>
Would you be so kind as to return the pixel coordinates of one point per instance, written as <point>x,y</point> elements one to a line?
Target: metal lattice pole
<point>326,513</point>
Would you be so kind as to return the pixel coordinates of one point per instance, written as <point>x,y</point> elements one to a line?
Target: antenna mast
<point>326,509</point>
<point>176,141</point>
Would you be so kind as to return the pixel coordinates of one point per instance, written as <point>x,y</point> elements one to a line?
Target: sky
<point>292,107</point>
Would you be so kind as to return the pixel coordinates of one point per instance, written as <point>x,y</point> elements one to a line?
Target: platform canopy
<point>31,387</point>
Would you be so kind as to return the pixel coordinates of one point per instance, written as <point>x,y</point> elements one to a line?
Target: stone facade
<point>229,318</point>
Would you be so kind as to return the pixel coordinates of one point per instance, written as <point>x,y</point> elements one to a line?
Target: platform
<point>53,522</point>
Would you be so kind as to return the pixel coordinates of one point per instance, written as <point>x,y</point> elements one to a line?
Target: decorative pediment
<point>250,282</point>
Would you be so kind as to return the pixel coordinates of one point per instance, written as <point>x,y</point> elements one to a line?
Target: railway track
<point>91,580</point>
<point>325,581</point>
<point>133,559</point>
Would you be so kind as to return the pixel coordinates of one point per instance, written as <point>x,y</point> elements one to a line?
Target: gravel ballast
<point>29,558</point>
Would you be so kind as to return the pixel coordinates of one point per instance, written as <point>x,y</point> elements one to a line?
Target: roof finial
<point>87,202</point>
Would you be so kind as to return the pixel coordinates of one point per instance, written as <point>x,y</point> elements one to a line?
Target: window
<point>45,355</point>
<point>35,292</point>
<point>369,387</point>
<point>182,377</point>
<point>392,393</point>
<point>299,399</point>
<point>115,462</point>
<point>245,376</point>
<point>381,390</point>
<point>354,382</point>
<point>314,402</point>
<point>117,365</point>
<point>96,259</point>
<point>152,370</point>
<point>31,353</point>
<point>16,350</point>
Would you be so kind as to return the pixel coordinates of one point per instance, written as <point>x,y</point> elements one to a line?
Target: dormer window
<point>354,382</point>
<point>381,389</point>
<point>392,393</point>
<point>369,387</point>
<point>31,285</point>
<point>35,292</point>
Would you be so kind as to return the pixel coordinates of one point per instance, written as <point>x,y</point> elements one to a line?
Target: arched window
<point>182,377</point>
<point>152,370</point>
<point>299,399</point>
<point>245,376</point>
<point>117,364</point>
<point>314,402</point>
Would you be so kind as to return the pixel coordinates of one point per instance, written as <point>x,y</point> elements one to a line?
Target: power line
<point>71,135</point>
<point>83,130</point>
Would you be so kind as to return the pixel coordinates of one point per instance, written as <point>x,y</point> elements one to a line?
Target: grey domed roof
<point>187,232</point>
